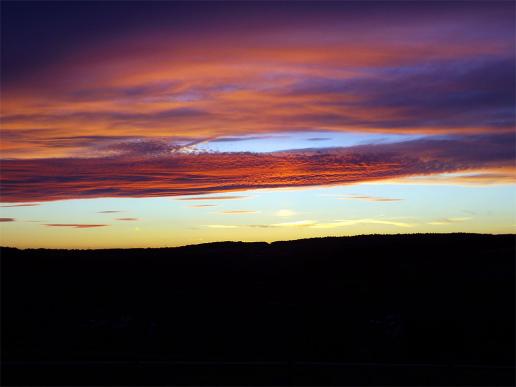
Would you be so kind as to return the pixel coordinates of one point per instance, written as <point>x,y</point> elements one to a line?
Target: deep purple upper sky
<point>140,81</point>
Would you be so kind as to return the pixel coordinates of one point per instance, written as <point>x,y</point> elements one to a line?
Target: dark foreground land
<point>367,310</point>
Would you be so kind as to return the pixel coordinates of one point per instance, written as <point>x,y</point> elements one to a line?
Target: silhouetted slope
<point>423,309</point>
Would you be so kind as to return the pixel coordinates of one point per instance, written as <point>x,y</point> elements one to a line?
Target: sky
<point>131,124</point>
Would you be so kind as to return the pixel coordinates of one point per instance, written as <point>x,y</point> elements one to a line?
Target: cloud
<point>181,174</point>
<point>76,225</point>
<point>464,95</point>
<point>239,212</point>
<point>445,221</point>
<point>227,197</point>
<point>242,138</point>
<point>7,220</point>
<point>467,93</point>
<point>423,69</point>
<point>128,219</point>
<point>368,198</point>
<point>146,147</point>
<point>202,205</point>
<point>108,212</point>
<point>21,205</point>
<point>335,224</point>
<point>299,223</point>
<point>285,213</point>
<point>318,139</point>
<point>220,226</point>
<point>352,222</point>
<point>482,177</point>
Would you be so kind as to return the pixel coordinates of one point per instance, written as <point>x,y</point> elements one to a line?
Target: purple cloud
<point>181,174</point>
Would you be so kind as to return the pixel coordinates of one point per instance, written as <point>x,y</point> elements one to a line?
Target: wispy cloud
<point>202,205</point>
<point>7,220</point>
<point>334,224</point>
<point>108,212</point>
<point>227,197</point>
<point>368,198</point>
<point>299,223</point>
<point>221,226</point>
<point>496,175</point>
<point>21,205</point>
<point>128,219</point>
<point>239,212</point>
<point>243,138</point>
<point>75,225</point>
<point>445,221</point>
<point>318,139</point>
<point>352,222</point>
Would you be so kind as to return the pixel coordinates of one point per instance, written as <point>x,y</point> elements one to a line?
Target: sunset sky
<point>128,124</point>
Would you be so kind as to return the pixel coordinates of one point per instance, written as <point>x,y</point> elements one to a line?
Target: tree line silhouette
<point>434,309</point>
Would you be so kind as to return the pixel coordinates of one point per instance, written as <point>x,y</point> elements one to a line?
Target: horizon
<point>168,124</point>
<point>207,244</point>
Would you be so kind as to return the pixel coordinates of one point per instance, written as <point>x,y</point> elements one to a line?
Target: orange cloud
<point>412,78</point>
<point>119,116</point>
<point>180,174</point>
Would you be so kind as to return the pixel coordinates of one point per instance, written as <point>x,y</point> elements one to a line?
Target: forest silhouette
<point>420,309</point>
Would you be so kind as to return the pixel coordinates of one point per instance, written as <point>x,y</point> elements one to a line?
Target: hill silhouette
<point>421,309</point>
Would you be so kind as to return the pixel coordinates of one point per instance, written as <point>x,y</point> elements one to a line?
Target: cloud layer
<point>420,68</point>
<point>180,174</point>
<point>119,111</point>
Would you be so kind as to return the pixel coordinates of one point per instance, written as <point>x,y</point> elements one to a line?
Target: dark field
<point>367,310</point>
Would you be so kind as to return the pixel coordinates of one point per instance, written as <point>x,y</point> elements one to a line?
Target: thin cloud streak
<point>234,197</point>
<point>352,222</point>
<point>223,226</point>
<point>368,198</point>
<point>70,225</point>
<point>445,221</point>
<point>21,205</point>
<point>335,224</point>
<point>299,223</point>
<point>239,212</point>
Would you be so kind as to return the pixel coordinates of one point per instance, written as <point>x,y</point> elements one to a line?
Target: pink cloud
<point>181,174</point>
